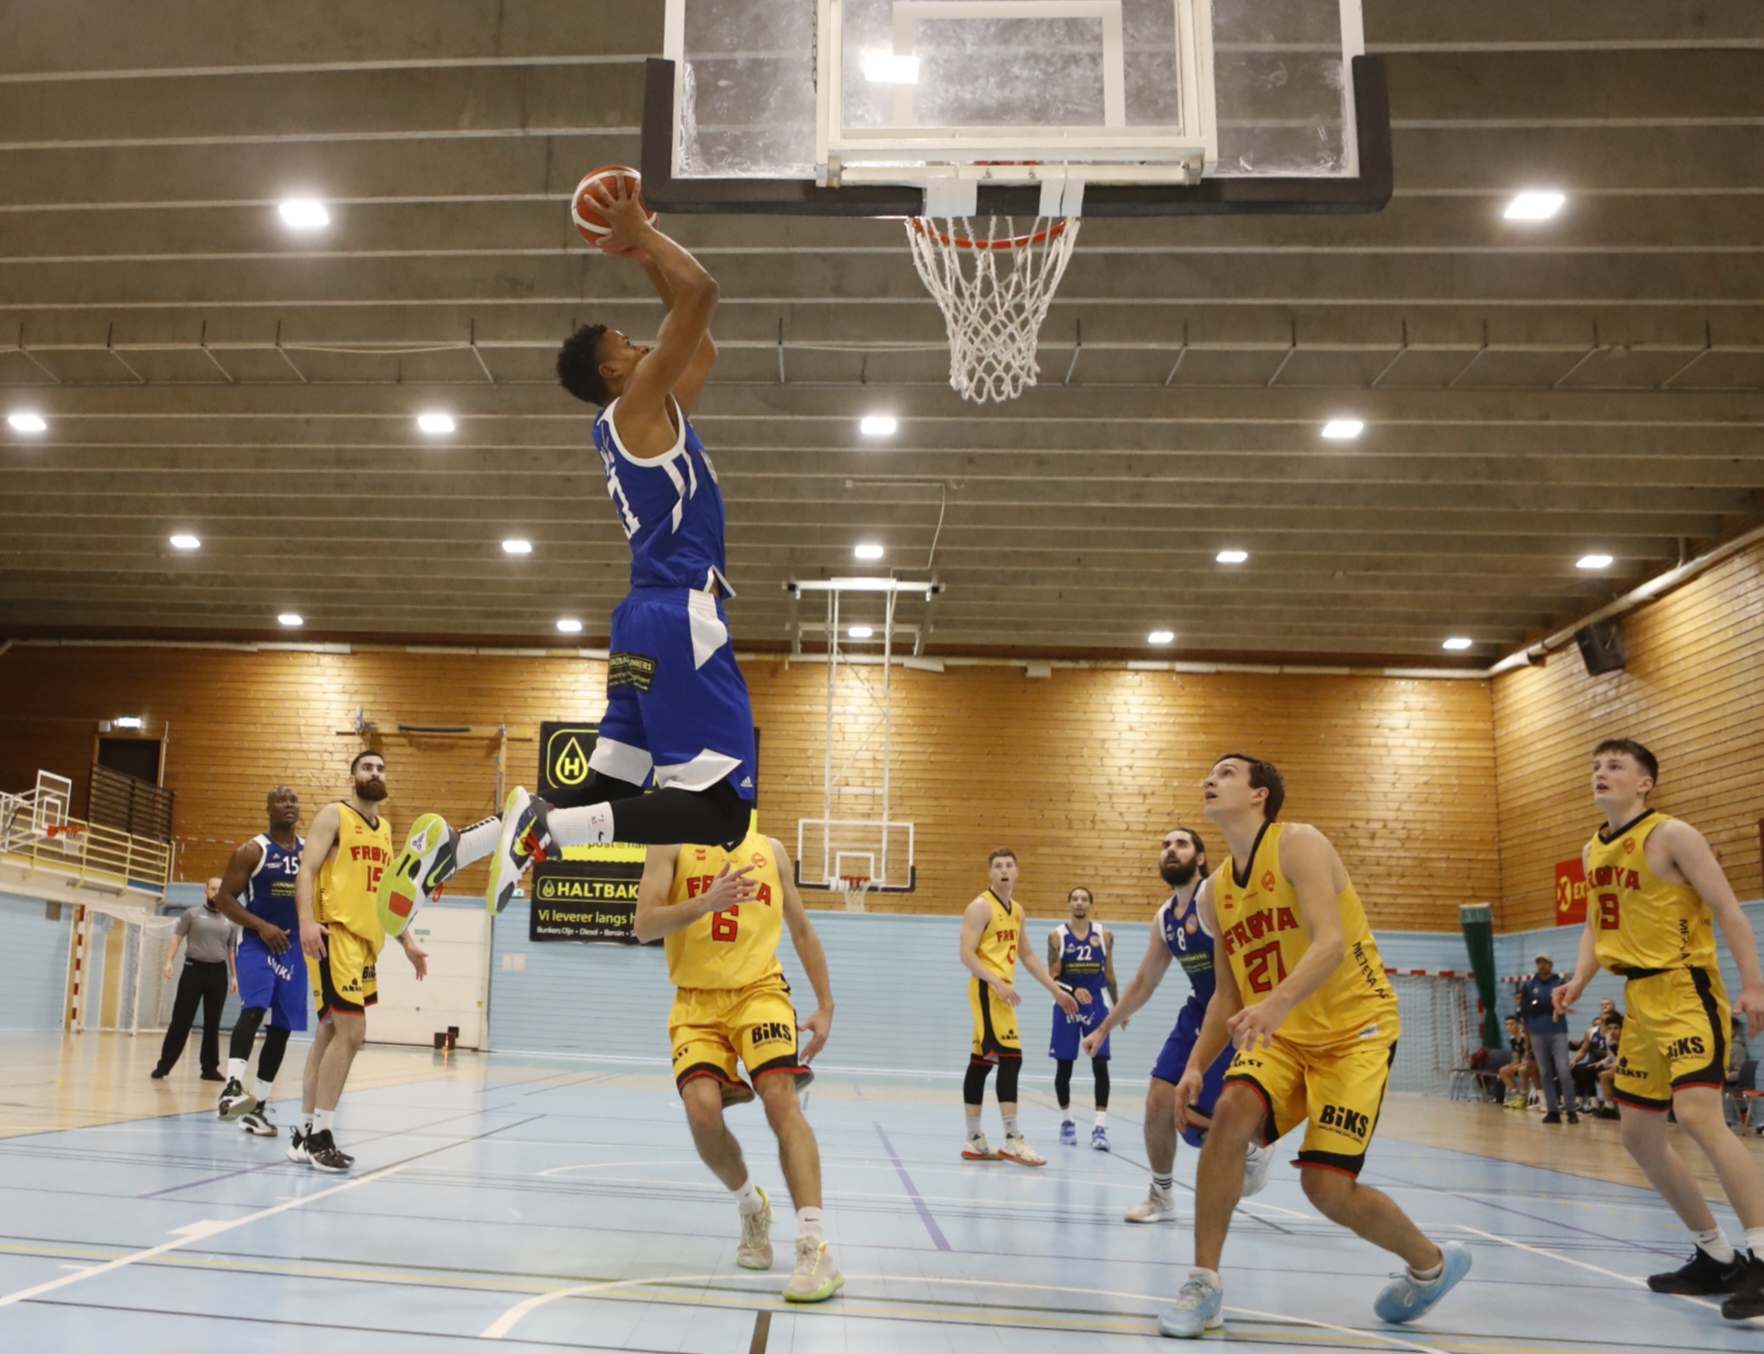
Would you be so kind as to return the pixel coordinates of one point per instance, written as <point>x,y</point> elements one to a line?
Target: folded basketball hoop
<point>994,291</point>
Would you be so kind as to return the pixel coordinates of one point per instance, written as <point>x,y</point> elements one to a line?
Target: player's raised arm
<point>1692,858</point>
<point>808,949</point>
<point>320,838</point>
<point>691,383</point>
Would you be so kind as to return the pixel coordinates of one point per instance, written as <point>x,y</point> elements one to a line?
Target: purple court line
<point>937,1237</point>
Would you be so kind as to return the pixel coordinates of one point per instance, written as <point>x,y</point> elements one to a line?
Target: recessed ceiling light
<point>860,632</point>
<point>570,625</point>
<point>868,551</point>
<point>304,213</point>
<point>1343,429</point>
<point>515,546</point>
<point>1232,556</point>
<point>27,423</point>
<point>1161,637</point>
<point>435,423</point>
<point>1534,206</point>
<point>1458,642</point>
<point>185,541</point>
<point>887,68</point>
<point>1593,562</point>
<point>878,425</point>
<point>291,618</point>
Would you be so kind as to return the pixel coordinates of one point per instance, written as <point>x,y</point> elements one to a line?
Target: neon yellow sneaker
<point>525,838</point>
<point>428,859</point>
<point>816,1277</point>
<point>755,1248</point>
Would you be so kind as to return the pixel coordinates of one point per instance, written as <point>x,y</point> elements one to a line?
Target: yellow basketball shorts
<point>344,980</point>
<point>1675,1031</point>
<point>1336,1090</point>
<point>995,1024</point>
<point>710,1027</point>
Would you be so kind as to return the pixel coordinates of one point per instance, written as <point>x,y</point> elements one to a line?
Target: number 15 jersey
<point>1259,931</point>
<point>738,946</point>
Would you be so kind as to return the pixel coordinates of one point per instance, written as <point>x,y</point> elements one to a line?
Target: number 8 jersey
<point>738,946</point>
<point>1257,913</point>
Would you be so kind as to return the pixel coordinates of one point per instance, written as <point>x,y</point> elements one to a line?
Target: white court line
<point>1578,1264</point>
<point>608,1165</point>
<point>509,1319</point>
<point>199,1231</point>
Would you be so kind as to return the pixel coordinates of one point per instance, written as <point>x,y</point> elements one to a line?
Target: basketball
<point>583,211</point>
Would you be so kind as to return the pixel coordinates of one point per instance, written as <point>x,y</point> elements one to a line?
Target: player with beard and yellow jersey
<point>1303,996</point>
<point>720,912</point>
<point>1654,892</point>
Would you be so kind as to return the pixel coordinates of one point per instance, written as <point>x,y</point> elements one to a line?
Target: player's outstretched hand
<point>312,940</point>
<point>1254,1026</point>
<point>820,1024</point>
<point>617,199</point>
<point>729,889</point>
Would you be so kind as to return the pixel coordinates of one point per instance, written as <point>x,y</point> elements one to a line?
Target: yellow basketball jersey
<point>1257,912</point>
<point>997,949</point>
<point>738,946</point>
<point>350,879</point>
<point>1641,921</point>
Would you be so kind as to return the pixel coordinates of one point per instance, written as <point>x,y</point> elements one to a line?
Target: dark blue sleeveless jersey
<point>270,891</point>
<point>670,508</point>
<point>1190,946</point>
<point>1083,963</point>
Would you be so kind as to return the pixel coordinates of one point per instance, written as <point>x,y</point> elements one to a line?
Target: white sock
<point>1010,1125</point>
<point>477,841</point>
<point>748,1199</point>
<point>1210,1277</point>
<point>1755,1242</point>
<point>261,1089</point>
<point>306,1121</point>
<point>1428,1275</point>
<point>1065,1116</point>
<point>591,825</point>
<point>1102,1118</point>
<point>1716,1243</point>
<point>322,1120</point>
<point>236,1070</point>
<point>1163,1184</point>
<point>973,1122</point>
<point>808,1223</point>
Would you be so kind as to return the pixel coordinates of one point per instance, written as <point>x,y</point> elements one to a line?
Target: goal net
<point>124,985</point>
<point>1438,1015</point>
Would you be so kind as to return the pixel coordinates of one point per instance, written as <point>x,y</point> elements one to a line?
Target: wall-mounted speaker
<point>1601,646</point>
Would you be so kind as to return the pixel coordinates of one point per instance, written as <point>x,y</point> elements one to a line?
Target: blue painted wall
<point>33,964</point>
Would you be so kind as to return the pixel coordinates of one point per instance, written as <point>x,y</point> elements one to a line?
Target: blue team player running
<point>677,708</point>
<point>257,892</point>
<point>1177,933</point>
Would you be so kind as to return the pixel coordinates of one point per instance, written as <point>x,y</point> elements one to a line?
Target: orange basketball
<point>586,214</point>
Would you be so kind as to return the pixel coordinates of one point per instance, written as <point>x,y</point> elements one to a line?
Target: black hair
<point>355,761</point>
<point>1262,776</point>
<point>1079,888</point>
<point>578,365</point>
<point>1643,758</point>
<point>1200,847</point>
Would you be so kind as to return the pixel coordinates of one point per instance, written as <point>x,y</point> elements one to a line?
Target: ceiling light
<point>517,547</point>
<point>291,618</point>
<point>304,213</point>
<point>1161,637</point>
<point>570,625</point>
<point>435,423</point>
<point>184,541</point>
<point>1343,429</point>
<point>1458,642</point>
<point>1232,556</point>
<point>887,68</point>
<point>1593,562</point>
<point>128,722</point>
<point>1534,206</point>
<point>868,551</point>
<point>860,632</point>
<point>27,423</point>
<point>878,425</point>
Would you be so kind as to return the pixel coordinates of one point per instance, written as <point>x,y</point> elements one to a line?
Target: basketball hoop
<point>994,291</point>
<point>854,887</point>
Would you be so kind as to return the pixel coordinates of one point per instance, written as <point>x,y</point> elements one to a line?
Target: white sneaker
<point>1016,1148</point>
<point>1197,1308</point>
<point>816,1277</point>
<point>977,1148</point>
<point>1155,1207</point>
<point>755,1248</point>
<point>1257,1162</point>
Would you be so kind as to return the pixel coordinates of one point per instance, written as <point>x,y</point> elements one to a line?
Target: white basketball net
<point>855,890</point>
<point>994,291</point>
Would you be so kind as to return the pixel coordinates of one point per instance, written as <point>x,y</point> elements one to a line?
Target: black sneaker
<point>1573,1118</point>
<point>257,1122</point>
<point>1748,1295</point>
<point>158,1074</point>
<point>1553,1117</point>
<point>297,1140</point>
<point>322,1154</point>
<point>1703,1276</point>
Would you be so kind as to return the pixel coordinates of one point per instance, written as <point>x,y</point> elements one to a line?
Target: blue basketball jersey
<point>270,891</point>
<point>669,506</point>
<point>1190,945</point>
<point>1083,963</point>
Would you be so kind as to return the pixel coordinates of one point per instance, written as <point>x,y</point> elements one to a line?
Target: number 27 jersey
<point>738,946</point>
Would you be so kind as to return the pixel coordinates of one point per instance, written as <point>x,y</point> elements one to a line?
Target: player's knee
<point>1699,1111</point>
<point>350,1027</point>
<point>777,1091</point>
<point>1329,1190</point>
<point>1237,1118</point>
<point>1160,1098</point>
<point>703,1101</point>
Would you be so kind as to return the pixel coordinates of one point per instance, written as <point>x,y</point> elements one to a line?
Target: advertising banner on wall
<point>591,900</point>
<point>1570,893</point>
<point>564,750</point>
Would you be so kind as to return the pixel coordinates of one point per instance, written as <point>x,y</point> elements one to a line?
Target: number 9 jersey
<point>738,946</point>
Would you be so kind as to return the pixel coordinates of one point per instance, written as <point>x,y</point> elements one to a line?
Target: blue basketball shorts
<point>1069,1030</point>
<point>1173,1062</point>
<point>676,703</point>
<point>277,981</point>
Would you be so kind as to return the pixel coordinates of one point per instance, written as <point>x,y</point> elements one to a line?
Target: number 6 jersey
<point>738,946</point>
<point>1263,941</point>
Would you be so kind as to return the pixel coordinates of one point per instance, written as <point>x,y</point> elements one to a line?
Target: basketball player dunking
<point>677,705</point>
<point>721,912</point>
<point>346,849</point>
<point>1654,889</point>
<point>1081,959</point>
<point>1177,933</point>
<point>1303,996</point>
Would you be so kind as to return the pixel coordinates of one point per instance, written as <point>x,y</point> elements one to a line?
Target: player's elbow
<point>643,927</point>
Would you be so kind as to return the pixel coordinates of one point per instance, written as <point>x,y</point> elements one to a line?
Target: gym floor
<point>550,1203</point>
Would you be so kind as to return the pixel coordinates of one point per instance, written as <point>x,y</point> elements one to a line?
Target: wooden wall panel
<point>1080,773</point>
<point>1693,692</point>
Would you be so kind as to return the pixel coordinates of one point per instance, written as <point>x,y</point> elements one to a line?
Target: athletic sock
<point>1427,1275</point>
<point>306,1122</point>
<point>236,1070</point>
<point>1102,1118</point>
<point>477,841</point>
<point>1010,1125</point>
<point>322,1120</point>
<point>973,1122</point>
<point>1210,1277</point>
<point>808,1223</point>
<point>1755,1242</point>
<point>748,1199</point>
<point>590,825</point>
<point>1163,1184</point>
<point>1716,1243</point>
<point>261,1089</point>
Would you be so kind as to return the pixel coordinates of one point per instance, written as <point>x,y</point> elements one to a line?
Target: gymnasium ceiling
<point>1532,392</point>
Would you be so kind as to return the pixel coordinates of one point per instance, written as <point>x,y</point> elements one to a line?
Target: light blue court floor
<point>527,1203</point>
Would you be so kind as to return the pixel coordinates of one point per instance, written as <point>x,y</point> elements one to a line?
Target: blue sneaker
<point>1404,1298</point>
<point>1099,1138</point>
<point>1068,1134</point>
<point>1198,1308</point>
